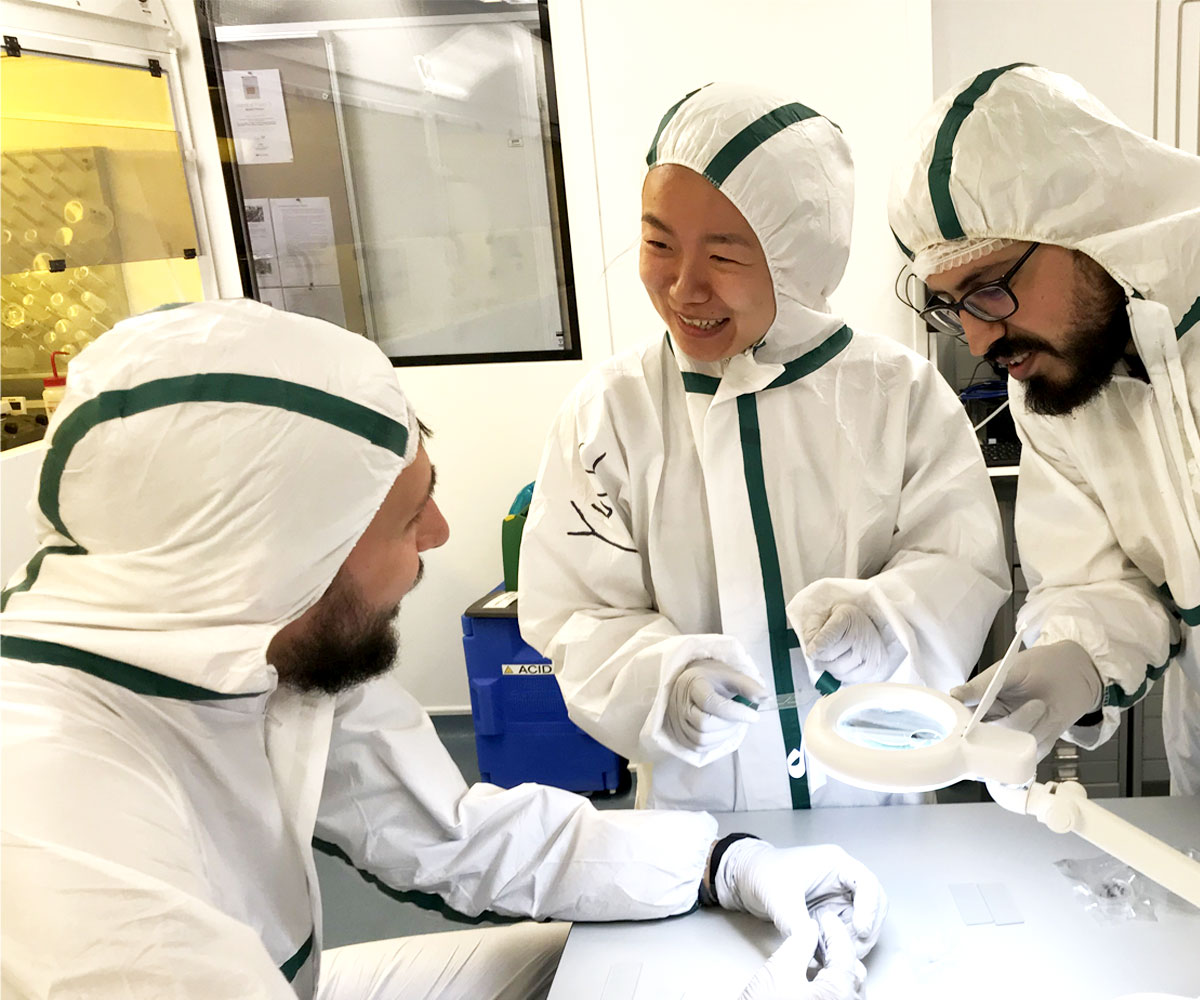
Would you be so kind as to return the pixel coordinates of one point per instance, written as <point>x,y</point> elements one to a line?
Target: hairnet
<point>939,257</point>
<point>1024,153</point>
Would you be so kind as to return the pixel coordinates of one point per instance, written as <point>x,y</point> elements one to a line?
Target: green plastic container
<point>511,530</point>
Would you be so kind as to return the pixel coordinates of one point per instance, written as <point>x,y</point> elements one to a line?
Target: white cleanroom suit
<point>1108,506</point>
<point>207,473</point>
<point>689,512</point>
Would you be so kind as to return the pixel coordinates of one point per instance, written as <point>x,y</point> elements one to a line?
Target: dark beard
<point>347,644</point>
<point>1095,345</point>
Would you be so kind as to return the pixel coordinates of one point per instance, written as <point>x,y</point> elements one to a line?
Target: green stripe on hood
<point>115,404</point>
<point>818,357</point>
<point>943,151</point>
<point>753,136</point>
<point>34,567</point>
<point>652,156</point>
<point>126,675</point>
<point>793,370</point>
<point>706,385</point>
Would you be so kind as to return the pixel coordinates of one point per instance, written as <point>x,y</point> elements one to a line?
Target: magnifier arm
<point>1014,798</point>
<point>1065,808</point>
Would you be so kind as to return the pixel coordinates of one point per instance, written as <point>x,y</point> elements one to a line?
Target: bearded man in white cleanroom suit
<point>761,500</point>
<point>232,504</point>
<point>1065,246</point>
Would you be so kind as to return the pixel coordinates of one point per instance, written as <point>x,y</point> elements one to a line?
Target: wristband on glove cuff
<point>707,895</point>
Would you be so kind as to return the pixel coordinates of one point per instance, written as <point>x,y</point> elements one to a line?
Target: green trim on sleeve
<point>126,675</point>
<point>115,404</point>
<point>652,156</point>
<point>827,683</point>
<point>943,151</point>
<point>291,968</point>
<point>706,385</point>
<point>423,900</point>
<point>1114,694</point>
<point>1190,319</point>
<point>772,580</point>
<point>752,136</point>
<point>1190,616</point>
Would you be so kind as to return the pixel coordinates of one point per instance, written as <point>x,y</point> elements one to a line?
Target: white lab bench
<point>926,949</point>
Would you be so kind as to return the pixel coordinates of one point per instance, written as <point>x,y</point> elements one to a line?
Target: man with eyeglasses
<point>1065,248</point>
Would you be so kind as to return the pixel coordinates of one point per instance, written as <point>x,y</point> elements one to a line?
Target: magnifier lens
<point>879,728</point>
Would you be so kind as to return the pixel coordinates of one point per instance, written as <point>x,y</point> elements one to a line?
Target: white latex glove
<point>1047,690</point>
<point>844,641</point>
<point>781,884</point>
<point>785,975</point>
<point>701,713</point>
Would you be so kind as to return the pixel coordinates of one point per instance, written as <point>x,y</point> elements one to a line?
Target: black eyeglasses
<point>990,302</point>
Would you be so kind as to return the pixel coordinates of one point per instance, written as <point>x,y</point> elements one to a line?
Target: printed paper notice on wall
<point>303,230</point>
<point>257,116</point>
<point>262,243</point>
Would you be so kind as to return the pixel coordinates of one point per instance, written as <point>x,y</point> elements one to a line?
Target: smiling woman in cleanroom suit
<point>760,500</point>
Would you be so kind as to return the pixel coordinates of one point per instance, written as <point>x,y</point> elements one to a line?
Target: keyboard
<point>1001,453</point>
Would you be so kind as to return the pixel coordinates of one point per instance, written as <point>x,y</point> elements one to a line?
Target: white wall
<point>1107,45</point>
<point>1179,74</point>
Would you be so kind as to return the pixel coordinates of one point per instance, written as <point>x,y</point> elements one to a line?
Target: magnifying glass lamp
<point>906,738</point>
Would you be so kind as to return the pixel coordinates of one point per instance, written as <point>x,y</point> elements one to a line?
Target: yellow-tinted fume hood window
<point>96,221</point>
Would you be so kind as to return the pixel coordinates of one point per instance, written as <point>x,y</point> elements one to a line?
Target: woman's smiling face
<point>702,266</point>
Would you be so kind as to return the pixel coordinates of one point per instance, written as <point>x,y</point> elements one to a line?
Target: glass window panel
<point>96,222</point>
<point>466,263</point>
<point>448,165</point>
<point>304,253</point>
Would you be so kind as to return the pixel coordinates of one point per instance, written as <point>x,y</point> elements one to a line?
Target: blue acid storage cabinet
<point>522,732</point>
